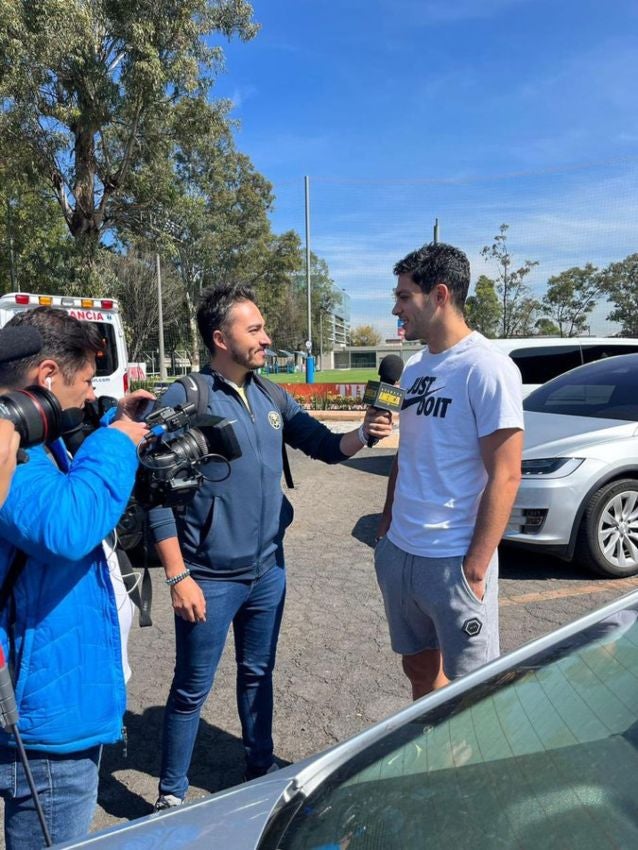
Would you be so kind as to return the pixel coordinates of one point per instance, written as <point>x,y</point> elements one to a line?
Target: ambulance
<point>111,377</point>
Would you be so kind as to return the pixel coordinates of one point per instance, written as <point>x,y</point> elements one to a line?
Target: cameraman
<point>59,624</point>
<point>224,558</point>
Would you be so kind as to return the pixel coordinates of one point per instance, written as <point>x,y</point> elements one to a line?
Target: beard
<point>247,359</point>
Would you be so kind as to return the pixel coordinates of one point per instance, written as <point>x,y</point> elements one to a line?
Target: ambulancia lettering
<point>88,315</point>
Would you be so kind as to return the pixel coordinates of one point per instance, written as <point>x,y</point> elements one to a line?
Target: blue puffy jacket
<point>65,640</point>
<point>233,528</point>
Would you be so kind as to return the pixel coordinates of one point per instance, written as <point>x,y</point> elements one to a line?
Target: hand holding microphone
<point>383,395</point>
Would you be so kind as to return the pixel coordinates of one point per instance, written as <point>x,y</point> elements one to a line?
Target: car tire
<point>608,536</point>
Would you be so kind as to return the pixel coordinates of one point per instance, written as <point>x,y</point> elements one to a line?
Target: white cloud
<point>561,220</point>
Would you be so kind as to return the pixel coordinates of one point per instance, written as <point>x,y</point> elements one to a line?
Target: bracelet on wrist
<point>173,580</point>
<point>366,439</point>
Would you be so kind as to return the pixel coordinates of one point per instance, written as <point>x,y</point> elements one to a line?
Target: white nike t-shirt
<point>452,400</point>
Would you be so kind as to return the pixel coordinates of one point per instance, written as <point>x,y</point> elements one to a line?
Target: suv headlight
<point>551,467</point>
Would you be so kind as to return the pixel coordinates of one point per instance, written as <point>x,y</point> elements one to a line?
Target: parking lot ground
<point>335,672</point>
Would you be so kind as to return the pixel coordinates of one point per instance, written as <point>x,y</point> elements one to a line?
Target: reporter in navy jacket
<point>223,553</point>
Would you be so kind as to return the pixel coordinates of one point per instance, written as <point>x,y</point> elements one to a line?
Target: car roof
<point>514,343</point>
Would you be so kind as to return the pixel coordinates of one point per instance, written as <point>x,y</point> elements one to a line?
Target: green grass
<point>328,376</point>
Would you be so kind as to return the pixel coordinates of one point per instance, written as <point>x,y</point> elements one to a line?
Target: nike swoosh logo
<point>418,398</point>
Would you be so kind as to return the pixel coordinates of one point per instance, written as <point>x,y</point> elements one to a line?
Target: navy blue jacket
<point>233,529</point>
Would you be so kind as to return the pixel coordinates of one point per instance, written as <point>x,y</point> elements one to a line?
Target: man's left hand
<point>132,406</point>
<point>475,580</point>
<point>377,423</point>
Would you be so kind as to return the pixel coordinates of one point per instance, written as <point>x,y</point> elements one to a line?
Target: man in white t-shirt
<point>454,479</point>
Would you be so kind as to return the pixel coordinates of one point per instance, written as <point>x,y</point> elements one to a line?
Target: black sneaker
<point>256,772</point>
<point>166,801</point>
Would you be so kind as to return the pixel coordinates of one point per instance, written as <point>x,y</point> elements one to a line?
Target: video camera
<point>170,473</point>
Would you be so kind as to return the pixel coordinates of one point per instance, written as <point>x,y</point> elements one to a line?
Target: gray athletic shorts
<point>429,605</point>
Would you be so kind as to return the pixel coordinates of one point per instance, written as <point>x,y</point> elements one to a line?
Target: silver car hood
<point>558,435</point>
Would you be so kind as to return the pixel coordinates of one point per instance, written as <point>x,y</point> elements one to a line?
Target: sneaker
<point>166,801</point>
<point>256,772</point>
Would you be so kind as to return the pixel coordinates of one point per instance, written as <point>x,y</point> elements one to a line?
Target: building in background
<point>334,328</point>
<point>340,318</point>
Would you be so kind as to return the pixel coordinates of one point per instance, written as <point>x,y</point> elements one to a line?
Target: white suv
<point>542,358</point>
<point>578,496</point>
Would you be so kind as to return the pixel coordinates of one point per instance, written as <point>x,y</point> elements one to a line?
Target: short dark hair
<point>65,339</point>
<point>215,306</point>
<point>438,263</point>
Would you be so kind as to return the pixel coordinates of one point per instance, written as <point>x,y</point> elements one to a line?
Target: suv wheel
<point>608,536</point>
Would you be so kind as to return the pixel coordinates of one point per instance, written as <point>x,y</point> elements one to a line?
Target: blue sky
<point>473,111</point>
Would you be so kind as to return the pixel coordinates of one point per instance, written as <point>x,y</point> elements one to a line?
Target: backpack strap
<point>197,391</point>
<point>279,397</point>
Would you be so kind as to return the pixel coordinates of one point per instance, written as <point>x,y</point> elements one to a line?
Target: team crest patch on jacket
<point>274,418</point>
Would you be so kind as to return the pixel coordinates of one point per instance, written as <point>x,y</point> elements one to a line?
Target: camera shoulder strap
<point>13,574</point>
<point>278,397</point>
<point>142,595</point>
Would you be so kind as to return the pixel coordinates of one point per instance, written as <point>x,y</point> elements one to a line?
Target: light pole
<point>12,258</point>
<point>310,360</point>
<point>160,318</point>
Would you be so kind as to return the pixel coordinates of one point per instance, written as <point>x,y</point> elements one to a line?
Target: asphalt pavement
<point>335,673</point>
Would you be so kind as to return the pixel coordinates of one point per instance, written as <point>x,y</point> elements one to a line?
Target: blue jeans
<point>255,609</point>
<point>67,788</point>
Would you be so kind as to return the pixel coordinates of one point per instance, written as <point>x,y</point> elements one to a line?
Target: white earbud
<point>48,382</point>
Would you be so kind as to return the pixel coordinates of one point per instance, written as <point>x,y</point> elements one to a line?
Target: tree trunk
<point>85,221</point>
<point>194,332</point>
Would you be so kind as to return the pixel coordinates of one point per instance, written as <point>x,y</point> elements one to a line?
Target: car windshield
<point>607,389</point>
<point>542,756</point>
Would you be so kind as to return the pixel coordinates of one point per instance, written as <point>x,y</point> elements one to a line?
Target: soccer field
<point>327,376</point>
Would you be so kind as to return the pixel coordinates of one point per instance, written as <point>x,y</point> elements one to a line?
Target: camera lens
<point>190,447</point>
<point>35,413</point>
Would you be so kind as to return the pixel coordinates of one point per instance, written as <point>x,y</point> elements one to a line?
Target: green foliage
<point>483,310</point>
<point>620,282</point>
<point>106,111</point>
<point>35,249</point>
<point>102,98</point>
<point>518,308</point>
<point>287,318</point>
<point>133,281</point>
<point>570,298</point>
<point>545,327</point>
<point>365,335</point>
